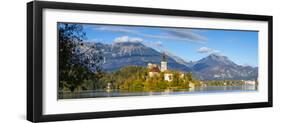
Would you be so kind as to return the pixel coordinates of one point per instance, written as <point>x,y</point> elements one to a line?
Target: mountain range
<point>212,67</point>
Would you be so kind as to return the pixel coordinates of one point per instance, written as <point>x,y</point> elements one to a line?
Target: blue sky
<point>189,44</point>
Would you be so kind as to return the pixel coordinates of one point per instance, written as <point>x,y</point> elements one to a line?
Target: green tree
<point>76,65</point>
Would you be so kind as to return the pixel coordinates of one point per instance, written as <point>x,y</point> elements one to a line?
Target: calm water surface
<point>118,93</point>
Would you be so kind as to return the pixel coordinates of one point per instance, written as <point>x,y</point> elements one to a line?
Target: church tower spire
<point>164,57</point>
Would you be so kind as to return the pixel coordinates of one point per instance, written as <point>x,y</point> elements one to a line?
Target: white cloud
<point>154,44</point>
<point>207,50</point>
<point>135,39</point>
<point>127,39</point>
<point>188,35</point>
<point>116,29</point>
<point>159,44</point>
<point>204,50</point>
<point>185,34</point>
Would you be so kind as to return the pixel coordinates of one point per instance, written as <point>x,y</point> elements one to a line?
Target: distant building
<point>250,82</point>
<point>168,77</point>
<point>150,65</point>
<point>191,85</point>
<point>153,70</point>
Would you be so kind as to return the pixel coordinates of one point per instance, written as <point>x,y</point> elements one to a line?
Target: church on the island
<point>155,70</point>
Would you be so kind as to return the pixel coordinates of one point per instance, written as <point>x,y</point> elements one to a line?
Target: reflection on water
<point>196,90</point>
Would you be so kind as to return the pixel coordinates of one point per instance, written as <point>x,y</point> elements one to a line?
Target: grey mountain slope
<point>220,67</point>
<point>123,54</point>
<point>118,55</point>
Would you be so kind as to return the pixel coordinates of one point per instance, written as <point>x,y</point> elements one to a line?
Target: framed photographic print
<point>94,61</point>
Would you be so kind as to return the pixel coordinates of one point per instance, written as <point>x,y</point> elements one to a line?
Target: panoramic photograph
<point>102,61</point>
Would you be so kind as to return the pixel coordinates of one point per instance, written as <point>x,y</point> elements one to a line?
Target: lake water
<point>197,90</point>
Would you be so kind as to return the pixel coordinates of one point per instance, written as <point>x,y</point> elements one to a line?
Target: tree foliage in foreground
<point>77,64</point>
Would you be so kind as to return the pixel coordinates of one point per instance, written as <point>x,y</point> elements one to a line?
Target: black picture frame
<point>34,60</point>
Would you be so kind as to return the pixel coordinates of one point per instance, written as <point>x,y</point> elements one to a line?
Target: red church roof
<point>155,69</point>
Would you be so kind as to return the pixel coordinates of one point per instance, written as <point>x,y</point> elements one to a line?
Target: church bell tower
<point>163,62</point>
